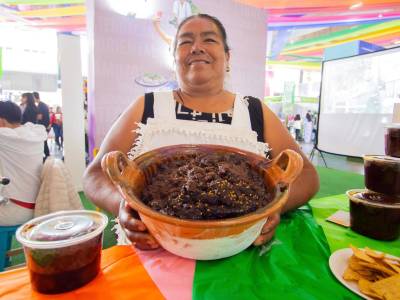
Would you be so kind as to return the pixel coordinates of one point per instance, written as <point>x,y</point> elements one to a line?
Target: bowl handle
<point>286,166</point>
<point>123,171</point>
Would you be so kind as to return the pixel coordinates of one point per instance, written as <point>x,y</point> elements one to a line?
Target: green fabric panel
<point>42,2</point>
<point>333,182</point>
<point>340,237</point>
<point>343,34</point>
<point>296,267</point>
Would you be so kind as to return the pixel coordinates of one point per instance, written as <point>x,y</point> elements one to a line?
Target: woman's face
<point>23,100</point>
<point>200,56</point>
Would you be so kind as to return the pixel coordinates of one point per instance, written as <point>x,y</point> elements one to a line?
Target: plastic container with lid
<point>63,249</point>
<point>374,215</point>
<point>392,139</point>
<point>382,174</point>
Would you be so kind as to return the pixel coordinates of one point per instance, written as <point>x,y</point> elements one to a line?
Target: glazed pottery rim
<point>350,194</point>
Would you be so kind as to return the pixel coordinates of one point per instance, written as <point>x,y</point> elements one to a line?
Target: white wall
<point>72,103</point>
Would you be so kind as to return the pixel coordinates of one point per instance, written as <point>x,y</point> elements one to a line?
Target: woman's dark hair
<point>214,20</point>
<point>308,117</point>
<point>10,112</point>
<point>297,117</point>
<point>30,101</point>
<point>36,95</point>
<point>30,111</point>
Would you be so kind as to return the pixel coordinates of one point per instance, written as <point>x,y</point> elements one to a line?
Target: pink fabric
<point>172,274</point>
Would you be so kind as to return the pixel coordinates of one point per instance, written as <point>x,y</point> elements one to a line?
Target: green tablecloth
<point>340,237</point>
<point>296,266</point>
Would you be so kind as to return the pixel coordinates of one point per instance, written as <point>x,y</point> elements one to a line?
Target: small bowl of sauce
<point>63,249</point>
<point>374,215</point>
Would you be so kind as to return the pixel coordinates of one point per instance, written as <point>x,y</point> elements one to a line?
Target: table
<point>293,266</point>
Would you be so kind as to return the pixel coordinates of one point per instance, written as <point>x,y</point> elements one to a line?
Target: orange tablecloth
<point>119,265</point>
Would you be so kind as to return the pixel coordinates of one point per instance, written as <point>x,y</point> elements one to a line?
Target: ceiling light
<point>397,42</point>
<point>356,5</point>
<point>380,16</point>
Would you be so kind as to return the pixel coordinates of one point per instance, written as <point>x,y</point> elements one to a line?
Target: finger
<point>141,240</point>
<point>262,239</point>
<point>133,224</point>
<point>128,221</point>
<point>272,222</point>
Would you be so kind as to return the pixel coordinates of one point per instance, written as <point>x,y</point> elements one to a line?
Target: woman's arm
<point>165,37</point>
<point>97,187</point>
<point>279,139</point>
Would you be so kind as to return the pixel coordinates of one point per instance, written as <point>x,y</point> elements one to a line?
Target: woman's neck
<point>206,101</point>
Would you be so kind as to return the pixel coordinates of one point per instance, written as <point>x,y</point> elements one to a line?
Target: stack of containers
<point>375,211</point>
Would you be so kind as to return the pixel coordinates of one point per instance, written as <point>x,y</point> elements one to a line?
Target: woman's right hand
<point>135,229</point>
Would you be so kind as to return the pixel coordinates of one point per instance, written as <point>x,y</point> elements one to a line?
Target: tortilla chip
<point>351,275</point>
<point>365,288</point>
<point>378,275</point>
<point>391,264</point>
<point>374,254</point>
<point>361,254</point>
<point>354,263</point>
<point>388,288</point>
<point>379,267</point>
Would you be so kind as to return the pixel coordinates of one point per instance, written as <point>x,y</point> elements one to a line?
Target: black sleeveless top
<point>185,113</point>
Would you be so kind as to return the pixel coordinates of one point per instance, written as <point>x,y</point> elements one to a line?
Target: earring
<point>228,69</point>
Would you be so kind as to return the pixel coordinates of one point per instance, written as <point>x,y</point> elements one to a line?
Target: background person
<point>31,112</point>
<point>308,127</point>
<point>21,157</point>
<point>43,118</point>
<point>57,124</point>
<point>297,127</point>
<point>200,105</point>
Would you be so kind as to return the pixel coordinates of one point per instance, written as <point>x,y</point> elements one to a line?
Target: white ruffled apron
<point>165,130</point>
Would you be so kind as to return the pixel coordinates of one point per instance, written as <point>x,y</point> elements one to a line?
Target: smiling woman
<point>202,57</point>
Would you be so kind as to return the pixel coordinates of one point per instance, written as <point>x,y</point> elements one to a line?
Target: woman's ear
<point>227,63</point>
<point>228,57</point>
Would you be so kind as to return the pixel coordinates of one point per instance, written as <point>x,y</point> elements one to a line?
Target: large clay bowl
<point>196,239</point>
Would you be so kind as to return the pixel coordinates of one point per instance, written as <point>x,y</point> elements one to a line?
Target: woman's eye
<point>183,42</point>
<point>210,41</point>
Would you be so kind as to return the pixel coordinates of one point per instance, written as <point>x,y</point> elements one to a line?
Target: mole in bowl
<point>392,140</point>
<point>206,186</point>
<point>382,174</point>
<point>63,249</point>
<point>374,215</point>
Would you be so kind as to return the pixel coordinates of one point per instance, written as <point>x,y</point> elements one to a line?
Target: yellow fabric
<point>122,277</point>
<point>76,10</point>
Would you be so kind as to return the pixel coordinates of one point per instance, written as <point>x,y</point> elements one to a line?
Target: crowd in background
<point>34,110</point>
<point>303,129</point>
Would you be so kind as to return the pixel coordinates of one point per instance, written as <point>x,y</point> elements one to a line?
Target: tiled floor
<point>337,162</point>
<point>54,150</point>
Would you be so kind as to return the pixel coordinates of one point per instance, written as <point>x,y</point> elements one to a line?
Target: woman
<point>297,127</point>
<point>56,121</point>
<point>308,127</point>
<point>202,58</point>
<point>30,111</point>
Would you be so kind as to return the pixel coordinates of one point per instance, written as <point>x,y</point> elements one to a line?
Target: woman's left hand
<point>268,230</point>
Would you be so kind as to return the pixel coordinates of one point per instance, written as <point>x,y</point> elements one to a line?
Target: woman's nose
<point>197,48</point>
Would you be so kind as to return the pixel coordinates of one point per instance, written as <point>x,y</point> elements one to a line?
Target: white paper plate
<point>338,262</point>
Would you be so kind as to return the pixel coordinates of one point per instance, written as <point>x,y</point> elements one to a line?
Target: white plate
<point>338,262</point>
